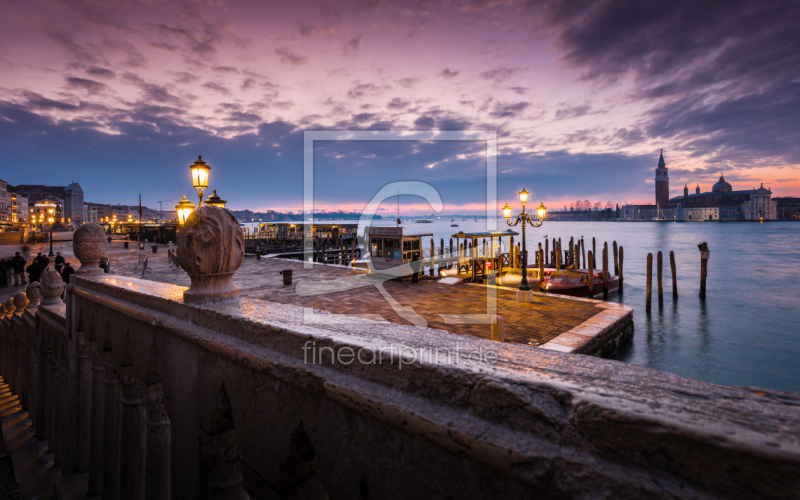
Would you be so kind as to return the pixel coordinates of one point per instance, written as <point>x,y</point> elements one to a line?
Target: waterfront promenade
<point>557,323</point>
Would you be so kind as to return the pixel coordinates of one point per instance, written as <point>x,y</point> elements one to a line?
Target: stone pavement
<point>532,324</point>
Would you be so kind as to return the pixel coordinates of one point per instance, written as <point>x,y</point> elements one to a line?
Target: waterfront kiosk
<point>392,251</point>
<point>491,262</point>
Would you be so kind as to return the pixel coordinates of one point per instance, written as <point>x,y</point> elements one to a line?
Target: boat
<point>575,283</point>
<point>453,225</point>
<point>513,280</point>
<point>423,221</point>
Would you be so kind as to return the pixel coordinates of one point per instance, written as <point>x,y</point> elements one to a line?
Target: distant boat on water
<point>423,221</point>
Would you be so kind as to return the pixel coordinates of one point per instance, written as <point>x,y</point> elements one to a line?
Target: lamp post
<point>51,220</point>
<point>524,217</point>
<point>183,209</point>
<point>200,176</point>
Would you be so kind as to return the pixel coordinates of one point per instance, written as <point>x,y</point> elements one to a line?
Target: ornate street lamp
<point>200,176</point>
<point>524,217</point>
<point>215,200</point>
<point>183,209</point>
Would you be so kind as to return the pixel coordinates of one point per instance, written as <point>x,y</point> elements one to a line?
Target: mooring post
<point>649,292</point>
<point>497,328</point>
<point>621,254</point>
<point>605,271</point>
<point>705,253</point>
<point>659,274</point>
<point>594,250</point>
<point>541,266</point>
<point>433,258</point>
<point>547,248</point>
<point>571,250</point>
<point>674,275</point>
<point>576,263</point>
<point>590,263</point>
<point>616,259</point>
<point>557,255</point>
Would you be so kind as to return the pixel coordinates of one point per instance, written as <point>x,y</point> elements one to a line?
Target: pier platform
<point>552,322</point>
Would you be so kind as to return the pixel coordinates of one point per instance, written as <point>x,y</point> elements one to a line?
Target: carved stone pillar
<point>210,249</point>
<point>55,387</point>
<point>83,439</point>
<point>97,429</point>
<point>34,294</point>
<point>111,442</point>
<point>133,447</point>
<point>43,427</point>
<point>89,245</point>
<point>159,446</point>
<point>52,288</point>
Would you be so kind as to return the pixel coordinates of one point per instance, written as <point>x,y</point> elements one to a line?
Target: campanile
<point>662,181</point>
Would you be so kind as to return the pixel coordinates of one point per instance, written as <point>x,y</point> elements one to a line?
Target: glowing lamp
<point>183,209</point>
<point>507,211</point>
<point>200,176</point>
<point>541,211</point>
<point>523,196</point>
<point>216,201</point>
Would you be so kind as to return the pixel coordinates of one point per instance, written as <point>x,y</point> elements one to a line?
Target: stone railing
<point>152,396</point>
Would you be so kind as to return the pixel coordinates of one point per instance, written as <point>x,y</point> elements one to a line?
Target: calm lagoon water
<point>746,331</point>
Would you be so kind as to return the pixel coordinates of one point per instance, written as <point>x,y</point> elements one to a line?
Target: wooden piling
<point>616,260</point>
<point>594,249</point>
<point>571,260</point>
<point>590,263</point>
<point>705,253</point>
<point>433,258</point>
<point>605,271</point>
<point>649,292</point>
<point>557,256</point>
<point>674,274</point>
<point>497,328</point>
<point>659,275</point>
<point>547,248</point>
<point>577,256</point>
<point>621,255</point>
<point>541,266</point>
<point>583,253</point>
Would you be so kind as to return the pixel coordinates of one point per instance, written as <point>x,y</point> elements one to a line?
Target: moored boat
<point>575,283</point>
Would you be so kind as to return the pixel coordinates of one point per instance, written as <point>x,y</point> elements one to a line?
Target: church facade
<point>720,204</point>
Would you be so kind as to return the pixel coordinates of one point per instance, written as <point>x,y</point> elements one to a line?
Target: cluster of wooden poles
<point>576,257</point>
<point>704,254</point>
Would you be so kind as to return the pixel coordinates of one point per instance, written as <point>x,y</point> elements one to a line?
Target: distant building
<point>5,203</point>
<point>721,203</point>
<point>68,198</point>
<point>19,207</point>
<point>788,208</point>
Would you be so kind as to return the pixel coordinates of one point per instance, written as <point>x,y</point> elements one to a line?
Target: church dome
<point>721,186</point>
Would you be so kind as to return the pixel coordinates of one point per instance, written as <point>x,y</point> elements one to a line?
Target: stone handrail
<point>152,396</point>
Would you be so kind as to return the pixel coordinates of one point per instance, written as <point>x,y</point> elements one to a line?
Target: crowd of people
<point>13,271</point>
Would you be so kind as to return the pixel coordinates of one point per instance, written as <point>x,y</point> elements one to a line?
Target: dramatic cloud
<point>588,91</point>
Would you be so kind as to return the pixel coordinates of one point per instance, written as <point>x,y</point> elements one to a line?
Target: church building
<point>720,204</point>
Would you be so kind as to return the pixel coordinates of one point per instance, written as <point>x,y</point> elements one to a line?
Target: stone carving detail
<point>52,288</point>
<point>34,293</point>
<point>20,301</point>
<point>88,245</point>
<point>210,249</point>
<point>10,306</point>
<point>2,310</point>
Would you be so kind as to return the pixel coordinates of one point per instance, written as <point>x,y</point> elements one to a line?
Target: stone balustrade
<point>141,393</point>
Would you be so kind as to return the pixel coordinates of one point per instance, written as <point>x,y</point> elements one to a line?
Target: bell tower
<point>662,181</point>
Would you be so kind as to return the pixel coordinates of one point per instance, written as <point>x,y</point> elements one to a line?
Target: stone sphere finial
<point>88,245</point>
<point>10,306</point>
<point>52,287</point>
<point>210,250</point>
<point>20,301</point>
<point>34,293</point>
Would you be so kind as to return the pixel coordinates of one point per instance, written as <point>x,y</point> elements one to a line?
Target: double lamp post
<point>200,173</point>
<point>525,218</point>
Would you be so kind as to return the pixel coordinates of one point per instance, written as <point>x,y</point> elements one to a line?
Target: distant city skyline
<point>123,97</point>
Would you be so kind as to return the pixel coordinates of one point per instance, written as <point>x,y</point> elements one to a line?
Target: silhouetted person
<point>59,262</point>
<point>34,272</point>
<point>18,265</point>
<point>66,272</point>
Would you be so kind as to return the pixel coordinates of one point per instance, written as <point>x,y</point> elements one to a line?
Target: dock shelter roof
<point>485,234</point>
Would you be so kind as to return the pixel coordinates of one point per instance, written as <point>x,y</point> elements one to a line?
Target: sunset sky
<point>122,96</point>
